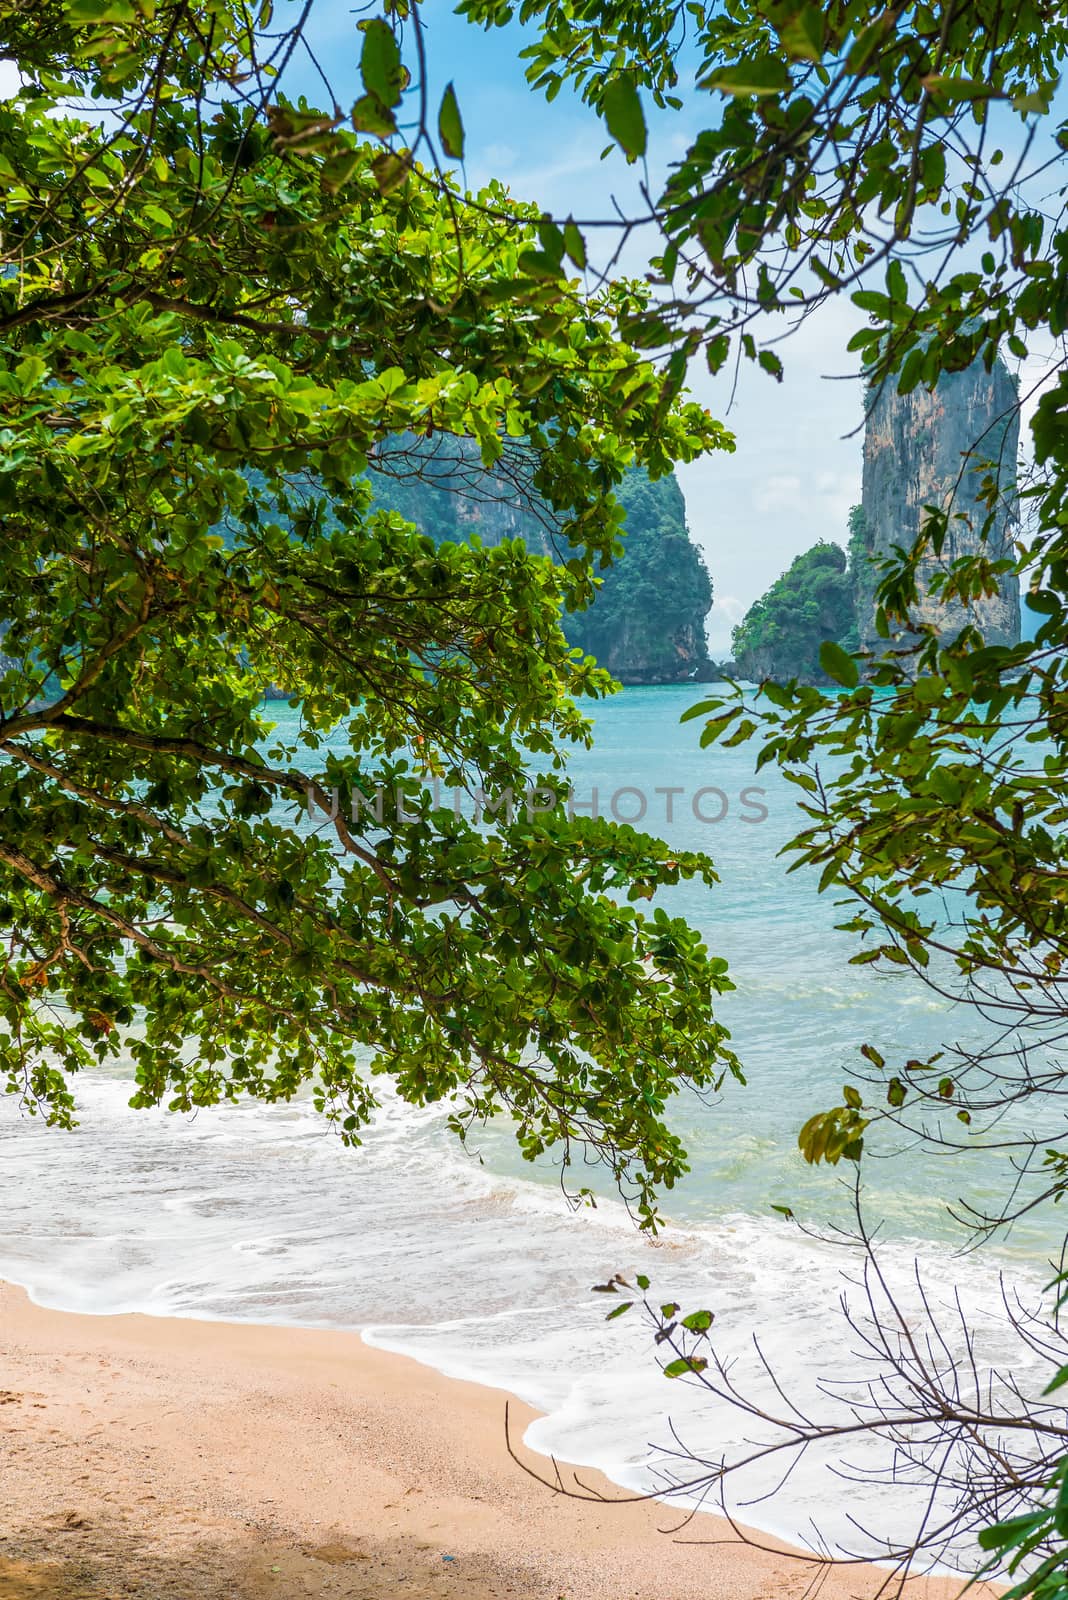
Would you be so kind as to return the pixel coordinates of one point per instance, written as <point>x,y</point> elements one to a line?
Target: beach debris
<point>448,1558</point>
<point>611,1286</point>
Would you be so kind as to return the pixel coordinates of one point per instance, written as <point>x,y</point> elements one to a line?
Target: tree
<point>780,635</point>
<point>910,156</point>
<point>215,307</point>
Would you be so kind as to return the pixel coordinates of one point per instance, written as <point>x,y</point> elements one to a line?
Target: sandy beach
<point>154,1459</point>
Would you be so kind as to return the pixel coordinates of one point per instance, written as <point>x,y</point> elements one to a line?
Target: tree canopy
<point>203,278</point>
<point>215,306</point>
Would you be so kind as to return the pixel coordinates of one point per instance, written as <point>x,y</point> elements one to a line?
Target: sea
<point>477,1264</point>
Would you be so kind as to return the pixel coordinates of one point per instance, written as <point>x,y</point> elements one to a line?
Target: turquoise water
<point>475,1263</point>
<point>800,1012</point>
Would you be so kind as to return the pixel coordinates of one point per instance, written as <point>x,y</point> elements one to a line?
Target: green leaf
<point>765,75</point>
<point>574,244</point>
<point>391,168</point>
<point>1012,1532</point>
<point>896,282</point>
<point>1036,101</point>
<point>867,46</point>
<point>539,264</point>
<point>81,12</point>
<point>802,37</point>
<point>683,1365</point>
<point>369,115</point>
<point>838,665</point>
<point>450,124</point>
<point>701,709</point>
<point>624,117</point>
<point>380,63</point>
<point>339,169</point>
<point>949,88</point>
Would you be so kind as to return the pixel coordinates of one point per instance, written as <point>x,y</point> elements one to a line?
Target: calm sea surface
<point>475,1264</point>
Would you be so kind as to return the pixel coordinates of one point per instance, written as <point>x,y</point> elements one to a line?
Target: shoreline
<point>158,1458</point>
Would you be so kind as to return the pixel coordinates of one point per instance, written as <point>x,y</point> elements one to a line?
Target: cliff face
<point>920,449</point>
<point>647,624</point>
<point>935,448</point>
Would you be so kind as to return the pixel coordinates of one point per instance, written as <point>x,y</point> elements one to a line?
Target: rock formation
<point>647,624</point>
<point>781,634</point>
<point>935,448</point>
<point>920,449</point>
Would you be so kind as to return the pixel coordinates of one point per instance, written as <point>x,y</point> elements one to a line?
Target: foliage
<point>935,791</point>
<point>215,305</point>
<point>1015,1542</point>
<point>863,571</point>
<point>781,633</point>
<point>857,550</point>
<point>648,617</point>
<point>912,157</point>
<point>843,146</point>
<point>647,620</point>
<point>820,598</point>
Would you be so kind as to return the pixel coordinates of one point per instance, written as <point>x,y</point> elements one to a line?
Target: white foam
<point>258,1213</point>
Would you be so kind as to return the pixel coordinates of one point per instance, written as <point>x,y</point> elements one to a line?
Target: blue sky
<point>797,467</point>
<point>794,474</point>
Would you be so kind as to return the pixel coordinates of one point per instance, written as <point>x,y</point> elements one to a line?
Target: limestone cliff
<point>934,448</point>
<point>647,624</point>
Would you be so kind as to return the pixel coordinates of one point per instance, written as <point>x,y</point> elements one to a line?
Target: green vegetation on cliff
<point>781,634</point>
<point>646,624</point>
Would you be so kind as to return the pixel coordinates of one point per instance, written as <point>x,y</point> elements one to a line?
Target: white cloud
<point>781,493</point>
<point>729,608</point>
<point>727,611</point>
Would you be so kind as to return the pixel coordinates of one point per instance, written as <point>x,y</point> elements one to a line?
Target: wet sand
<point>146,1458</point>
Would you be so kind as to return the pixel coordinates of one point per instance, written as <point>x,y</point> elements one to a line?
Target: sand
<point>161,1459</point>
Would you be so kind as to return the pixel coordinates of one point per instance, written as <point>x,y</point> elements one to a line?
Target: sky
<point>796,469</point>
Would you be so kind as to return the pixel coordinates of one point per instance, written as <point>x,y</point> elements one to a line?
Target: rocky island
<point>928,448</point>
<point>647,624</point>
